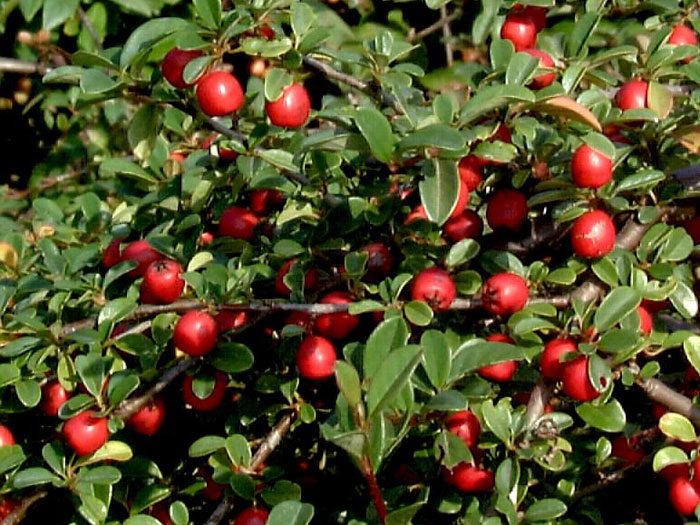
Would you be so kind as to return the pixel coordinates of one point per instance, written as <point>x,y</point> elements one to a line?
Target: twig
<point>221,511</point>
<point>447,36</point>
<point>85,19</point>
<point>420,35</point>
<point>539,397</point>
<point>375,491</point>
<point>675,325</point>
<point>540,236</point>
<point>658,391</point>
<point>16,516</point>
<point>45,184</point>
<point>22,67</point>
<point>689,176</point>
<point>611,479</point>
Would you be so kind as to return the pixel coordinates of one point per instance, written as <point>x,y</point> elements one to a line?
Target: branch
<point>689,176</point>
<point>675,325</point>
<point>16,516</point>
<point>22,67</point>
<point>375,491</point>
<point>539,397</point>
<point>85,20</point>
<point>447,36</point>
<point>220,512</point>
<point>540,236</point>
<point>611,479</point>
<point>658,391</point>
<point>420,35</point>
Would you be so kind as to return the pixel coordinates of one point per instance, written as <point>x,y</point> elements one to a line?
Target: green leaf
<point>113,166</point>
<point>677,247</point>
<point>609,417</point>
<point>390,334</point>
<point>434,136</point>
<point>641,179</point>
<point>141,519</point>
<point>11,456</point>
<point>206,445</point>
<point>30,8</point>
<point>33,476</point>
<point>583,29</point>
<point>521,68</point>
<point>617,305</point>
<point>302,18</point>
<point>677,426</point>
<point>276,81</point>
<point>291,513</point>
<point>391,376</point>
<point>684,300</point>
<point>668,456</point>
<point>606,271</point>
<point>93,369</point>
<point>418,313</point>
<point>545,510</point>
<point>691,347</point>
<point>600,143</point>
<point>348,382</point>
<point>57,11</point>
<point>376,130</point>
<point>238,450</point>
<point>439,191</point>
<point>461,252</point>
<point>179,513</point>
<point>104,475</point>
<point>477,353</point>
<point>232,357</point>
<point>493,97</point>
<point>110,451</point>
<point>266,48</point>
<point>147,35</point>
<point>9,374</point>
<point>209,11</point>
<point>498,419</point>
<point>436,357</point>
<point>451,449</point>
<point>28,392</point>
<point>280,492</point>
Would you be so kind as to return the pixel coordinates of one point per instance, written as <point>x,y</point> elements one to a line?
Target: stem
<point>658,391</point>
<point>22,67</point>
<point>420,35</point>
<point>85,20</point>
<point>447,36</point>
<point>539,397</point>
<point>610,479</point>
<point>375,491</point>
<point>16,516</point>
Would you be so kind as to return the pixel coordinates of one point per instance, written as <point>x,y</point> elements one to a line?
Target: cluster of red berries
<point>468,477</point>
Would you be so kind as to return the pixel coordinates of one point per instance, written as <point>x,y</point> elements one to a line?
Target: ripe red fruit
<point>654,307</point>
<point>143,254</point>
<point>337,325</point>
<point>162,283</point>
<point>468,225</point>
<point>263,202</point>
<point>292,109</point>
<point>507,209</point>
<point>161,512</point>
<point>632,95</point>
<point>541,81</point>
<point>465,425</point>
<point>468,478</point>
<point>6,507</point>
<point>590,168</point>
<point>238,223</point>
<point>112,255</point>
<point>692,227</point>
<point>252,516</point>
<point>504,293</point>
<point>212,490</point>
<point>627,450</point>
<point>6,437</point>
<point>219,93</point>
<point>502,133</point>
<point>520,30</point>
<point>316,358</point>
<point>682,35</point>
<point>195,333</point>
<point>85,434</point>
<point>683,496</point>
<point>435,287</point>
<point>499,372</point>
<point>379,263</point>
<point>311,278</point>
<point>645,321</point>
<point>298,318</point>
<point>550,365</point>
<point>53,395</point>
<point>206,238</point>
<point>417,214</point>
<point>471,172</point>
<point>593,235</point>
<point>674,471</point>
<point>462,200</point>
<point>538,15</point>
<point>210,402</point>
<point>229,320</point>
<point>174,63</point>
<point>576,381</point>
<point>149,418</point>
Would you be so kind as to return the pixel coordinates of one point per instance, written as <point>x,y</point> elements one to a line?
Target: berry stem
<point>375,491</point>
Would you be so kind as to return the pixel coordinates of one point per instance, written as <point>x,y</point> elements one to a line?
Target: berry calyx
<point>149,418</point>
<point>507,209</point>
<point>435,287</point>
<point>219,94</point>
<point>593,235</point>
<point>504,293</point>
<point>292,109</point>
<point>195,333</point>
<point>162,283</point>
<point>174,63</point>
<point>337,325</point>
<point>590,168</point>
<point>316,358</point>
<point>85,434</point>
<point>238,223</point>
<point>576,382</point>
<point>212,401</point>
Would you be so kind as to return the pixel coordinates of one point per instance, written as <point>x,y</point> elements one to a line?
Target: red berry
<point>507,209</point>
<point>462,200</point>
<point>465,425</point>
<point>674,471</point>
<point>263,202</point>
<point>435,287</point>
<point>626,450</point>
<point>379,263</point>
<point>149,418</point>
<point>162,283</point>
<point>161,512</point>
<point>174,63</point>
<point>238,223</point>
<point>504,293</point>
<point>177,156</point>
<point>682,35</point>
<point>219,93</point>
<point>206,238</point>
<point>53,395</point>
<point>6,507</point>
<point>575,380</point>
<point>212,490</point>
<point>468,478</point>
<point>292,109</point>
<point>195,333</point>
<point>337,325</point>
<point>551,365</point>
<point>590,168</point>
<point>499,372</point>
<point>654,307</point>
<point>520,30</point>
<point>632,95</point>
<point>645,321</point>
<point>143,254</point>
<point>692,227</point>
<point>541,81</point>
<point>85,434</point>
<point>471,172</point>
<point>468,225</point>
<point>593,235</point>
<point>658,410</point>
<point>6,437</point>
<point>683,496</point>
<point>230,320</point>
<point>210,402</point>
<point>316,358</point>
<point>538,15</point>
<point>112,255</point>
<point>502,133</point>
<point>252,516</point>
<point>298,318</point>
<point>417,214</point>
<point>311,278</point>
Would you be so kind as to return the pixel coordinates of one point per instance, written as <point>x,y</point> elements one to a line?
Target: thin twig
<point>221,511</point>
<point>447,36</point>
<point>85,20</point>
<point>420,35</point>
<point>611,479</point>
<point>22,67</point>
<point>17,515</point>
<point>375,491</point>
<point>658,391</point>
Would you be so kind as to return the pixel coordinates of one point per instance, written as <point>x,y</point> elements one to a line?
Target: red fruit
<point>311,278</point>
<point>162,283</point>
<point>238,223</point>
<point>85,434</point>
<point>683,496</point>
<point>541,81</point>
<point>53,395</point>
<point>692,227</point>
<point>682,35</point>
<point>149,418</point>
<point>212,490</point>
<point>538,15</point>
<point>206,238</point>
<point>654,307</point>
<point>551,365</point>
<point>263,202</point>
<point>466,426</point>
<point>674,471</point>
<point>626,450</point>
<point>504,293</point>
<point>658,410</point>
<point>632,95</point>
<point>468,478</point>
<point>590,168</point>
<point>337,325</point>
<point>177,156</point>
<point>499,372</point>
<point>195,333</point>
<point>143,254</point>
<point>462,200</point>
<point>520,30</point>
<point>6,507</point>
<point>298,318</point>
<point>417,214</point>
<point>435,287</point>
<point>6,437</point>
<point>174,63</point>
<point>112,255</point>
<point>379,263</point>
<point>292,109</point>
<point>507,209</point>
<point>471,172</point>
<point>468,225</point>
<point>252,516</point>
<point>316,358</point>
<point>593,235</point>
<point>210,402</point>
<point>502,133</point>
<point>161,512</point>
<point>230,320</point>
<point>576,381</point>
<point>645,321</point>
<point>219,93</point>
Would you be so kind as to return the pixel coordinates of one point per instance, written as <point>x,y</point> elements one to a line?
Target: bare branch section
<point>437,26</point>
<point>539,397</point>
<point>16,516</point>
<point>447,36</point>
<point>22,67</point>
<point>659,392</point>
